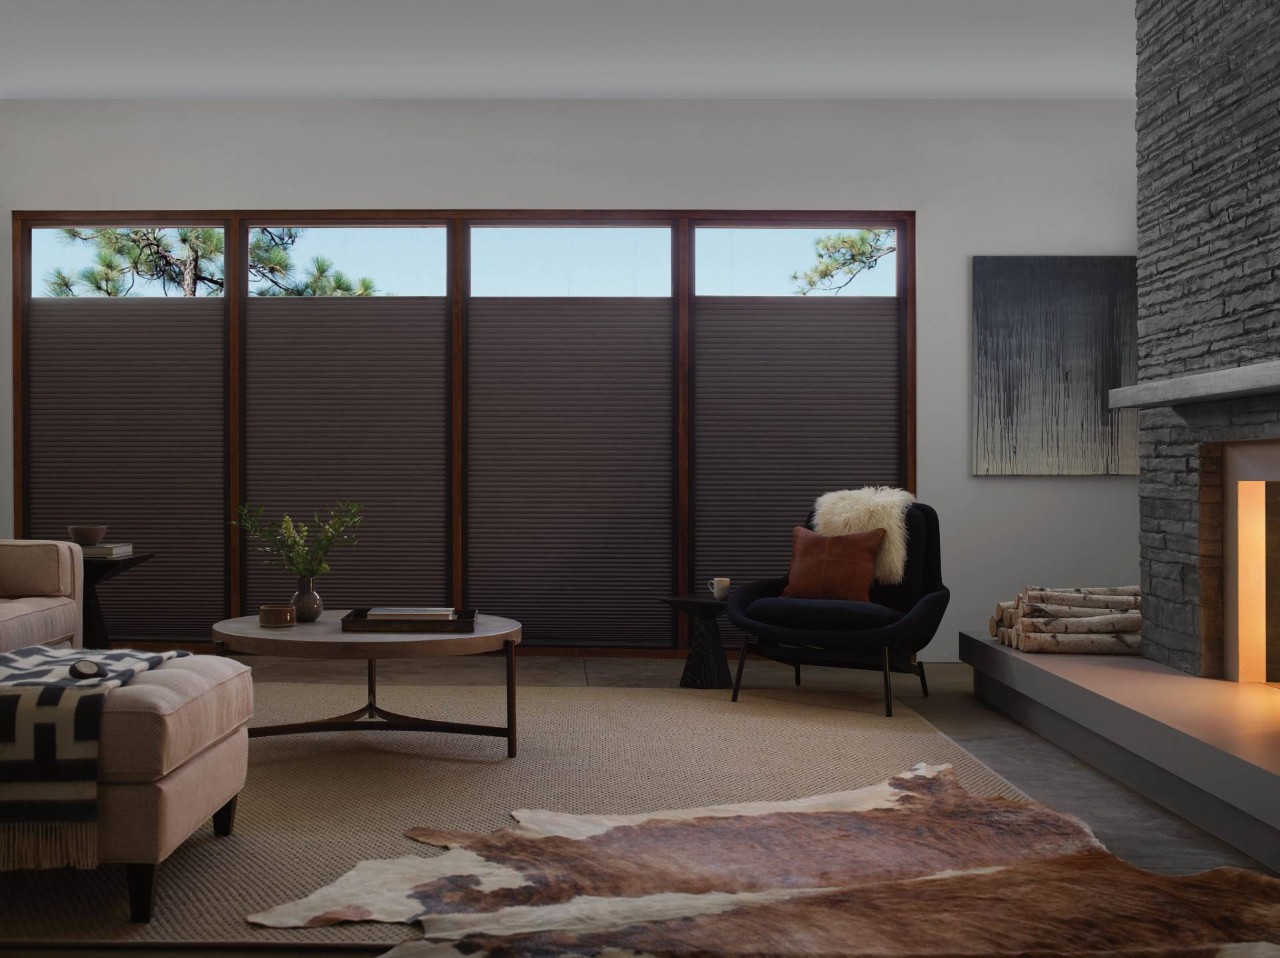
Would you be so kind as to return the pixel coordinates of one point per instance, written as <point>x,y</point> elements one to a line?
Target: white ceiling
<point>1022,49</point>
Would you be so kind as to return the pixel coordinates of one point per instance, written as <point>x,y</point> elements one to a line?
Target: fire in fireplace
<point>1251,562</point>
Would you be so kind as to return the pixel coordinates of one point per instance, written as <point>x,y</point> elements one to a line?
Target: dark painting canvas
<point>1051,335</point>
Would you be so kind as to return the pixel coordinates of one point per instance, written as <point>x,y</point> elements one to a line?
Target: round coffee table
<point>324,639</point>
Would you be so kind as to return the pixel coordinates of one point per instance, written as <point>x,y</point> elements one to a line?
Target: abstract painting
<point>1051,336</point>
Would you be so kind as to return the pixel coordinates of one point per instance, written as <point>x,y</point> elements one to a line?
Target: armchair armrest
<point>742,597</point>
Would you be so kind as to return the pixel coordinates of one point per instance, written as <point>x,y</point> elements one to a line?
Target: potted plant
<point>300,550</point>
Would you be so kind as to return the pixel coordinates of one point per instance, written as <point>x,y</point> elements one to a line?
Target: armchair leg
<point>742,661</point>
<point>797,673</point>
<point>888,685</point>
<point>142,891</point>
<point>924,686</point>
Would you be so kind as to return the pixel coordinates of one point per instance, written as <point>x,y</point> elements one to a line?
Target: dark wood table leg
<point>706,667</point>
<point>510,648</point>
<point>95,623</point>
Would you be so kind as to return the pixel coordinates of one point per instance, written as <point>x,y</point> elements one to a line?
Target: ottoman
<point>173,753</point>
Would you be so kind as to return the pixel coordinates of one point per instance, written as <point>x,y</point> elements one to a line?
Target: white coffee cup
<point>719,588</point>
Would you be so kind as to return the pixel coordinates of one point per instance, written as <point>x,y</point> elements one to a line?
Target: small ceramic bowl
<point>277,616</point>
<point>87,535</point>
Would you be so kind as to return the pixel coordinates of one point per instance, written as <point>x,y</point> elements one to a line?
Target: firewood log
<point>1036,611</point>
<point>1099,590</point>
<point>1117,622</point>
<point>1090,644</point>
<point>1082,601</point>
<point>992,627</point>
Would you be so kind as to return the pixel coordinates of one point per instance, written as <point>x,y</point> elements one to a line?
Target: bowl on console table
<point>87,535</point>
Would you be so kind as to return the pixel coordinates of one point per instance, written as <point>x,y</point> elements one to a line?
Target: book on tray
<point>108,550</point>
<point>421,614</point>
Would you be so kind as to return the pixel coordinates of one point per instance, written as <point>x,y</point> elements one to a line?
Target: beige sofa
<point>41,594</point>
<point>173,748</point>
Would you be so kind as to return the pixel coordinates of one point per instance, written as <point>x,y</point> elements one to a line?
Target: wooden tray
<point>357,620</point>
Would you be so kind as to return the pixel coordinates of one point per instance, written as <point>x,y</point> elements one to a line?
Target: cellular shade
<point>570,467</point>
<point>345,398</point>
<point>793,397</point>
<point>125,411</point>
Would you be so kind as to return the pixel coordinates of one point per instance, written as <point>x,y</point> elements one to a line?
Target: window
<point>346,360</point>
<point>347,261</point>
<point>832,261</point>
<point>124,413</point>
<point>570,261</point>
<point>624,404</point>
<point>570,416</point>
<point>795,395</point>
<point>114,261</point>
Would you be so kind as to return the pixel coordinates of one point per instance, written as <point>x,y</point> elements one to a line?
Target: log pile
<point>1104,621</point>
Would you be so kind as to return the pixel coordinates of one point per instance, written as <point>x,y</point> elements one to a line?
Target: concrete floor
<point>1133,828</point>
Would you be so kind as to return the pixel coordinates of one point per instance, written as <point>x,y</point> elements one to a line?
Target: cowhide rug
<point>914,866</point>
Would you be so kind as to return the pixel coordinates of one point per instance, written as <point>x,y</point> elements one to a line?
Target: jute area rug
<point>315,805</point>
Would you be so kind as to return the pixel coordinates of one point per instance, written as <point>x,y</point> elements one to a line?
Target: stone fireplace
<point>1184,452</point>
<point>1208,315</point>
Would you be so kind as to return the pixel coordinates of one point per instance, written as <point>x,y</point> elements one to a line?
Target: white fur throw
<point>861,510</point>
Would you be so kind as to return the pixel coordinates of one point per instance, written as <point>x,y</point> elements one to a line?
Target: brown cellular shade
<point>569,520</point>
<point>345,399</point>
<point>124,407</point>
<point>793,397</point>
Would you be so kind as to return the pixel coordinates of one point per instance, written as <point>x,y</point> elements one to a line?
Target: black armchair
<point>884,633</point>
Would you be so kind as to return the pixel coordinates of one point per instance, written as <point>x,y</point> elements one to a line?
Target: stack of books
<point>108,550</point>
<point>425,615</point>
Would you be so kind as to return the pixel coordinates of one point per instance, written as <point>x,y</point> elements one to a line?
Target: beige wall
<point>997,177</point>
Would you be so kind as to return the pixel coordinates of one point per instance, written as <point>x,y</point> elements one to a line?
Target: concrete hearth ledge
<point>1252,380</point>
<point>1206,749</point>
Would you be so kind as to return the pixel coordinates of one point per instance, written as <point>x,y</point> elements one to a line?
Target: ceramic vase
<point>307,601</point>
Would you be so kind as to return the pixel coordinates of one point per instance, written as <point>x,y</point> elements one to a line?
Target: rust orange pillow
<point>832,567</point>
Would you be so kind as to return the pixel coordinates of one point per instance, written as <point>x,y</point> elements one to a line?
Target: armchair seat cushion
<point>822,615</point>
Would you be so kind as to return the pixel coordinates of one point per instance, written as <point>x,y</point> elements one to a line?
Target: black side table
<point>706,667</point>
<point>99,570</point>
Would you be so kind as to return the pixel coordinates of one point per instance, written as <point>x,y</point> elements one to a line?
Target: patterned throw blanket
<point>49,727</point>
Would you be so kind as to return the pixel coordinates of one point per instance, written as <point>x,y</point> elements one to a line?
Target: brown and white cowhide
<point>913,866</point>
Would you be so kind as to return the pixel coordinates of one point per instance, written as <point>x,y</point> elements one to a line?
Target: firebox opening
<point>1253,647</point>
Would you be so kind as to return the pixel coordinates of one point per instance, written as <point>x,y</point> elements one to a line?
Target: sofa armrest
<point>44,567</point>
<point>75,555</point>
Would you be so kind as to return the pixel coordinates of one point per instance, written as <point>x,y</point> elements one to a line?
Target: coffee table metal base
<point>372,716</point>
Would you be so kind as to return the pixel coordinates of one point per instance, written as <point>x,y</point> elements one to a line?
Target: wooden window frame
<point>457,223</point>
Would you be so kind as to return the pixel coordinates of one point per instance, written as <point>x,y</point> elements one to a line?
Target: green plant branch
<point>291,544</point>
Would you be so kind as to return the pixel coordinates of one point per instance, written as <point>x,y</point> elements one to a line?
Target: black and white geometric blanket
<point>49,729</point>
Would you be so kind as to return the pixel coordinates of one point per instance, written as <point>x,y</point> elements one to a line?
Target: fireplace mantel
<point>1252,380</point>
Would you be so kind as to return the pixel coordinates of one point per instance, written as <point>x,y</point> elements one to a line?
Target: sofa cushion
<point>35,567</point>
<point>169,714</point>
<point>824,615</point>
<point>37,620</point>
